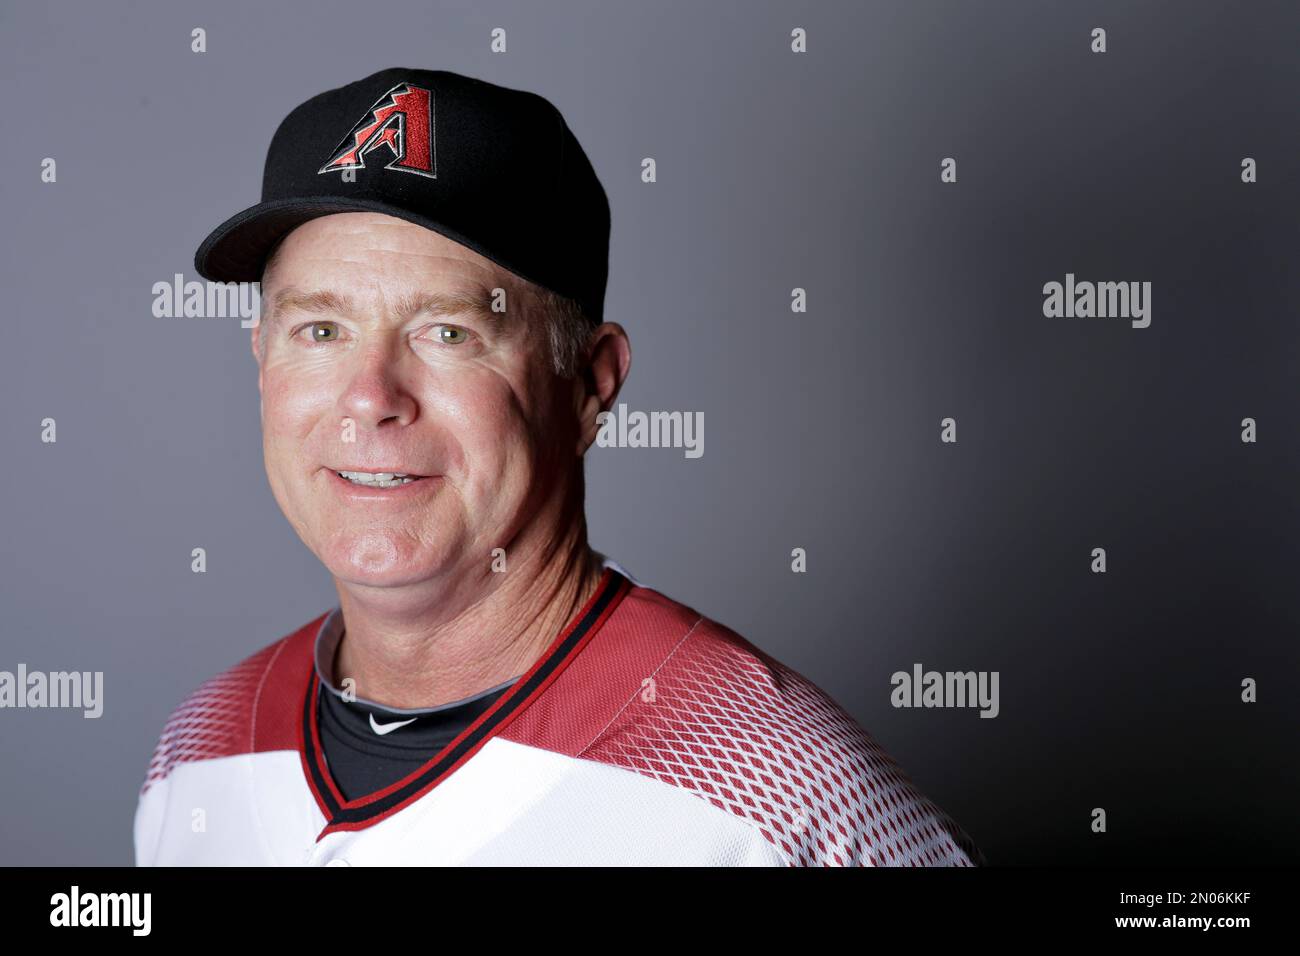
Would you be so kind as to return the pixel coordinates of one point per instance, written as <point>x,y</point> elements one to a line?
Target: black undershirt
<point>363,762</point>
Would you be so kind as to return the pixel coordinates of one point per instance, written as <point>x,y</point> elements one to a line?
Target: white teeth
<point>383,479</point>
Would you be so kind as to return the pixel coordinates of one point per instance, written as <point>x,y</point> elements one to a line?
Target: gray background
<point>775,171</point>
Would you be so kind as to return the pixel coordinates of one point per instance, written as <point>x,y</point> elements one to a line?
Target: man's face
<point>381,331</point>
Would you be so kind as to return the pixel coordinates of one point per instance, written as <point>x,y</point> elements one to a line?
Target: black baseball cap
<point>492,168</point>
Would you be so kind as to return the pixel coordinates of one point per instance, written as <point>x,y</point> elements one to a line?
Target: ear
<point>608,359</point>
<point>255,340</point>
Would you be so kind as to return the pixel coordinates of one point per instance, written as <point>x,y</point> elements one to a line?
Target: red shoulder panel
<point>251,708</point>
<point>678,697</point>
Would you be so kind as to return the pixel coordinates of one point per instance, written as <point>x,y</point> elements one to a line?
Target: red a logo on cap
<point>402,120</point>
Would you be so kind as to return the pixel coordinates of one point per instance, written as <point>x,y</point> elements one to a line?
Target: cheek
<point>290,408</point>
<point>289,404</point>
<point>490,423</point>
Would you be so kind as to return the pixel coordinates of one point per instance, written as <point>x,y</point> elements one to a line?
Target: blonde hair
<point>568,330</point>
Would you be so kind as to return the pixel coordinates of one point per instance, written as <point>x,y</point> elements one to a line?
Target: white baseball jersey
<point>646,734</point>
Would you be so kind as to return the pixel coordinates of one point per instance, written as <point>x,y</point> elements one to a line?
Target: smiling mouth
<point>381,479</point>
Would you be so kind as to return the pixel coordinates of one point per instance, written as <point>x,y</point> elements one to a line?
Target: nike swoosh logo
<point>382,729</point>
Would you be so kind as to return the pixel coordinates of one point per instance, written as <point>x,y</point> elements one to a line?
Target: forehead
<point>361,252</point>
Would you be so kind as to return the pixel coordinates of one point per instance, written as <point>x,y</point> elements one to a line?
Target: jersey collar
<point>341,814</point>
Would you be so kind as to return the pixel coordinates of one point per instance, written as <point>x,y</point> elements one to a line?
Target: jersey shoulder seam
<point>627,703</point>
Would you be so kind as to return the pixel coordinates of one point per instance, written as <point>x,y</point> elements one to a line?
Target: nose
<point>375,394</point>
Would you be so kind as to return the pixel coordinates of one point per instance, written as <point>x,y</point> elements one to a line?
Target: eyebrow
<point>438,303</point>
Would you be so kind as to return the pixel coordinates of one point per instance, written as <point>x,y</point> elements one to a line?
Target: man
<point>433,361</point>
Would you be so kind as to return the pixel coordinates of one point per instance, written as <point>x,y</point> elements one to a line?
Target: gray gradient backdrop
<point>822,430</point>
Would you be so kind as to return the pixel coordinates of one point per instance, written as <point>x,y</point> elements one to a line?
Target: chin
<point>388,579</point>
<point>380,559</point>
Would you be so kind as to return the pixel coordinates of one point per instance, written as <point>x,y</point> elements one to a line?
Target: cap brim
<point>237,249</point>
